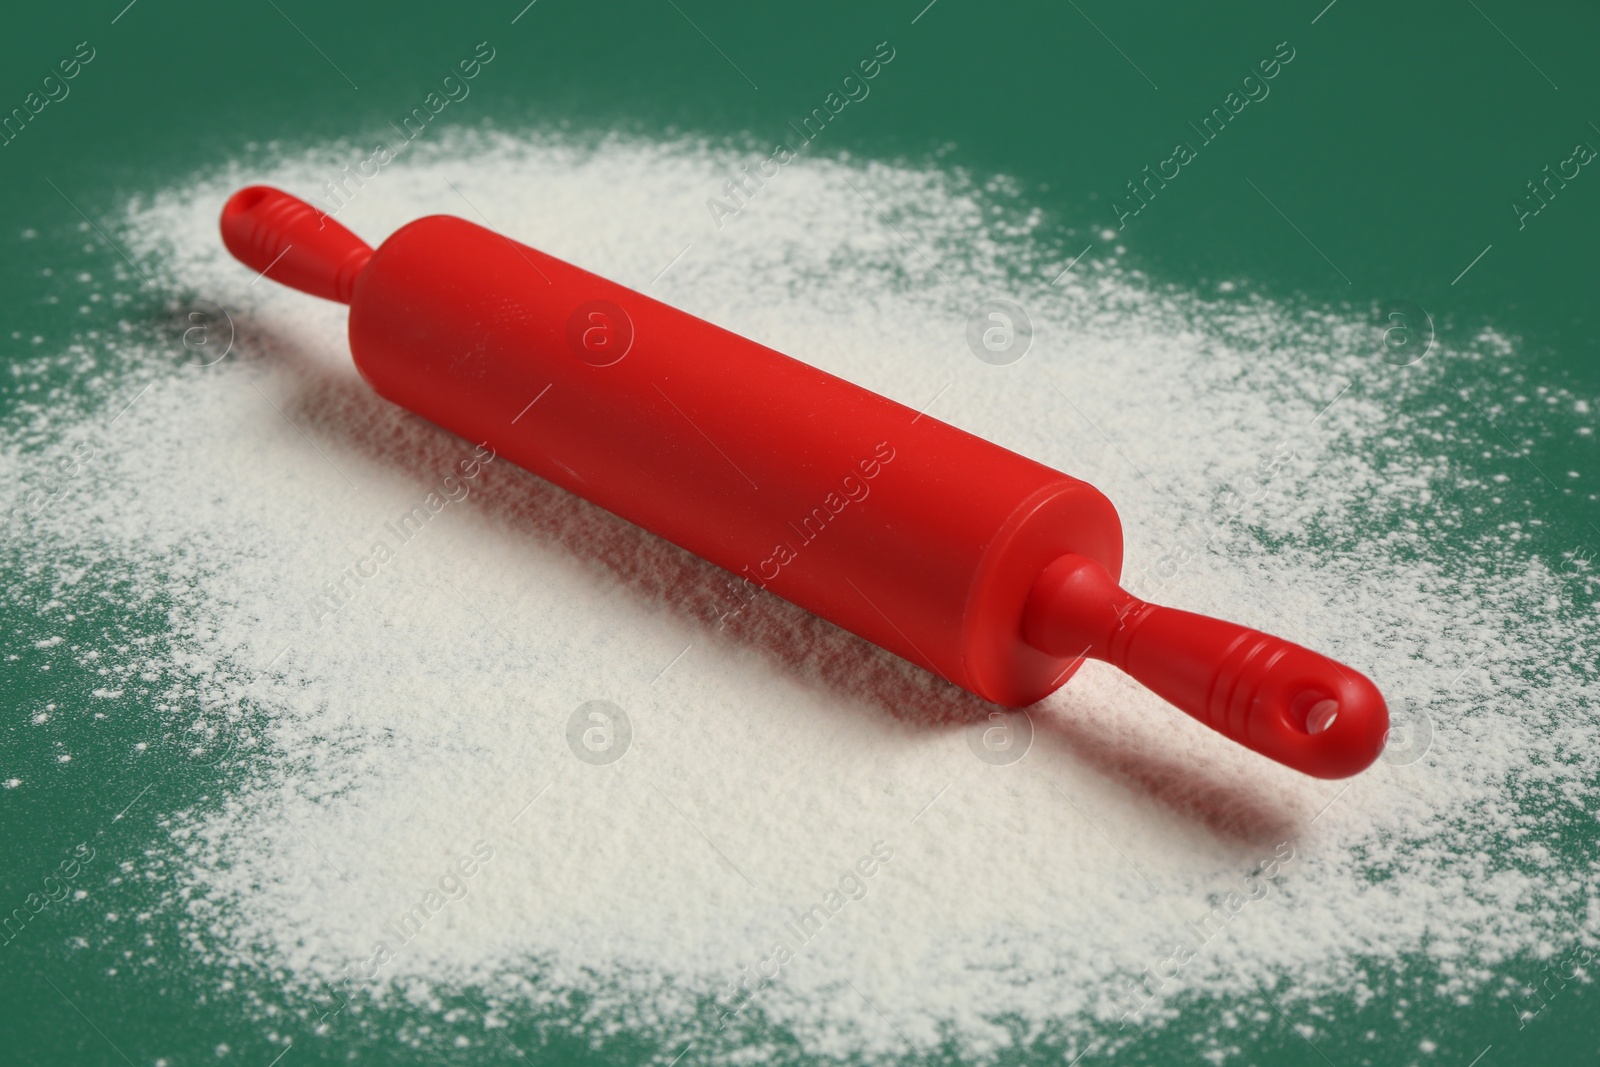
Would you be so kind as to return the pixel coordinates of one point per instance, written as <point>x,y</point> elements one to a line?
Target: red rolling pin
<point>993,571</point>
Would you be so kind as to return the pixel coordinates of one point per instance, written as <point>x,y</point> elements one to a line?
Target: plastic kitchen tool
<point>985,567</point>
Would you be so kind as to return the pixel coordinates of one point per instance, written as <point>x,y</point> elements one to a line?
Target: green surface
<point>1386,159</point>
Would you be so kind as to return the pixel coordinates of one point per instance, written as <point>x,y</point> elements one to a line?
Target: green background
<point>1391,150</point>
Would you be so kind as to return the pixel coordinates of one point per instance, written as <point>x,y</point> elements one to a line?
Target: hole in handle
<point>1312,711</point>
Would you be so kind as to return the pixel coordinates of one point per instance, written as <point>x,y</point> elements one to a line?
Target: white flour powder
<point>418,719</point>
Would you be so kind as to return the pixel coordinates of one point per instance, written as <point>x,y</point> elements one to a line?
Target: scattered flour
<point>1269,467</point>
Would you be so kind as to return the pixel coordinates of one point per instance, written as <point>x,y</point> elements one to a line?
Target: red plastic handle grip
<point>1286,702</point>
<point>291,242</point>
